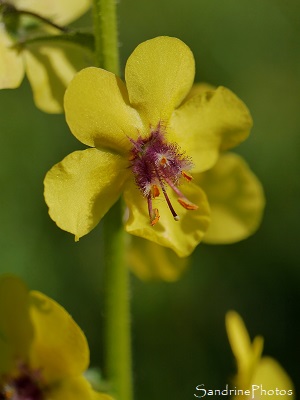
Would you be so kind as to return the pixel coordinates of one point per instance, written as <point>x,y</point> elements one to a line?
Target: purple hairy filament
<point>156,165</point>
<point>24,386</point>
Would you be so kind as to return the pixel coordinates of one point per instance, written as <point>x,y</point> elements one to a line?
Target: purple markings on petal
<point>24,386</point>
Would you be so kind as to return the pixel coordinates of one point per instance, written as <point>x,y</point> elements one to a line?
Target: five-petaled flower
<point>43,352</point>
<point>255,373</point>
<point>49,65</point>
<point>149,139</point>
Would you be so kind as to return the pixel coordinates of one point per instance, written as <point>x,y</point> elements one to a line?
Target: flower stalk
<point>117,305</point>
<point>106,35</point>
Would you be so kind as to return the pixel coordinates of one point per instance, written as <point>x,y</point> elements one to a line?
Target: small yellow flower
<point>43,353</point>
<point>49,65</point>
<point>148,139</point>
<point>255,373</point>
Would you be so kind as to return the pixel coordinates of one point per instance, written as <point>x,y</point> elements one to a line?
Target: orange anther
<point>187,176</point>
<point>154,218</point>
<point>154,191</point>
<point>163,161</point>
<point>188,205</point>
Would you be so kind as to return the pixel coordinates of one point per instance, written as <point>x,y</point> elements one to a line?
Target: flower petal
<point>59,349</point>
<point>50,68</point>
<point>98,111</point>
<point>194,134</point>
<point>159,74</point>
<point>61,12</point>
<point>16,331</point>
<point>238,337</point>
<point>270,374</point>
<point>181,236</point>
<point>247,355</point>
<point>12,64</point>
<point>82,187</point>
<point>252,369</point>
<point>236,117</point>
<point>150,261</point>
<point>100,396</point>
<point>212,121</point>
<point>71,389</point>
<point>236,198</point>
<point>199,88</point>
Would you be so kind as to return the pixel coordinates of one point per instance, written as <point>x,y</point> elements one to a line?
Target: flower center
<point>24,386</point>
<point>156,165</point>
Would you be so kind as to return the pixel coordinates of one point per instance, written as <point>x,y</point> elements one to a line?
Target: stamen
<point>187,176</point>
<point>188,205</point>
<point>8,393</point>
<point>154,191</point>
<point>155,164</point>
<point>175,215</point>
<point>155,216</point>
<point>175,188</point>
<point>153,212</point>
<point>131,156</point>
<point>24,386</point>
<point>163,161</point>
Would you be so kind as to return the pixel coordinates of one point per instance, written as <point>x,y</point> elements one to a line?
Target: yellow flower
<point>43,351</point>
<point>255,373</point>
<point>147,137</point>
<point>49,65</point>
<point>150,261</point>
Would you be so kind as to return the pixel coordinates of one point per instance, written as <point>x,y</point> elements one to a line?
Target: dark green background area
<point>179,338</point>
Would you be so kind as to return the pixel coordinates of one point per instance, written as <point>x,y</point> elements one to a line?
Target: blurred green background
<point>179,338</point>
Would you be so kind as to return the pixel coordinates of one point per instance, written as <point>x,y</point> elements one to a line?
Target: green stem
<point>106,36</point>
<point>117,328</point>
<point>117,305</point>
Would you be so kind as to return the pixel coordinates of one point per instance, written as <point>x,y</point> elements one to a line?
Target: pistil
<point>173,212</point>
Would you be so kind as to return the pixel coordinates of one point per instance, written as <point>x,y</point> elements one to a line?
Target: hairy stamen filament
<point>186,203</point>
<point>157,164</point>
<point>153,212</point>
